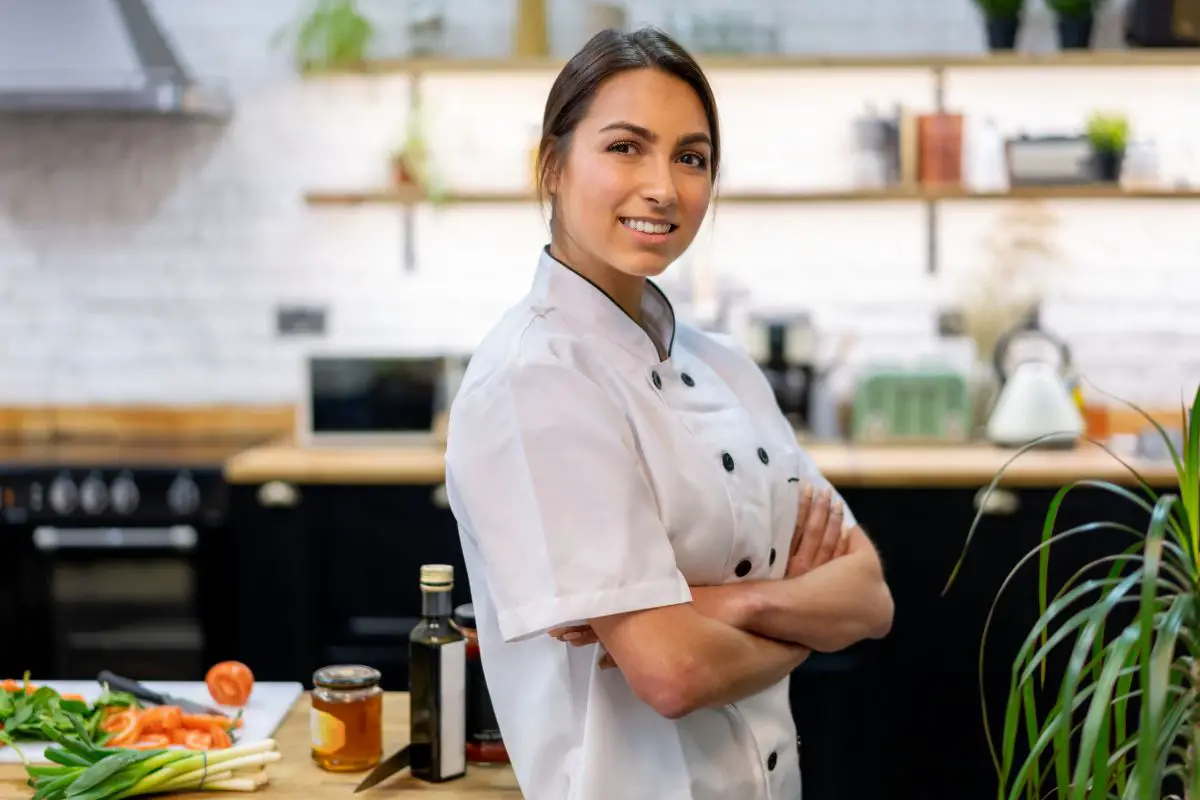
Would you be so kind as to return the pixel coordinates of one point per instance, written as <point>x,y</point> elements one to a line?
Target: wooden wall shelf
<point>1114,58</point>
<point>411,197</point>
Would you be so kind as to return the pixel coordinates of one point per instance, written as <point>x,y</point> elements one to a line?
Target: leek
<point>81,770</point>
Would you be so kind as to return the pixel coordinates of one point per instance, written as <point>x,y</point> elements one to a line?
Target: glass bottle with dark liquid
<point>437,664</point>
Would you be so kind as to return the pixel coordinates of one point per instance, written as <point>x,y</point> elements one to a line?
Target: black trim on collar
<point>650,283</point>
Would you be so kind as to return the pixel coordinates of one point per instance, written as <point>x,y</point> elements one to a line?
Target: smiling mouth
<point>646,226</point>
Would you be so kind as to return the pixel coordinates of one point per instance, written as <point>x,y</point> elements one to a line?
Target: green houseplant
<point>1002,22</point>
<point>1076,19</point>
<point>1125,720</point>
<point>1108,135</point>
<point>332,34</point>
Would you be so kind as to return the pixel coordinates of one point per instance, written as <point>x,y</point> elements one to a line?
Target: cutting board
<point>269,704</point>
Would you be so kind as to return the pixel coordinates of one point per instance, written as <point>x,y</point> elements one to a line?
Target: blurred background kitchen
<point>247,247</point>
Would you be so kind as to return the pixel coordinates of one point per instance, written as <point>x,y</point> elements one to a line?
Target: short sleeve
<point>545,477</point>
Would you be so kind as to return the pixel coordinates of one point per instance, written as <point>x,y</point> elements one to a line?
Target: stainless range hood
<point>95,57</point>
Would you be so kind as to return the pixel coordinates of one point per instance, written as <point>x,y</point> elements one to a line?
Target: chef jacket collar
<point>558,285</point>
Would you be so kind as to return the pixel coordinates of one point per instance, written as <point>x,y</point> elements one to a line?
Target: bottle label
<point>453,706</point>
<point>328,732</point>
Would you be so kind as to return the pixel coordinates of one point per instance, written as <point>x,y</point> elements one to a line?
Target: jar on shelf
<point>346,721</point>
<point>485,745</point>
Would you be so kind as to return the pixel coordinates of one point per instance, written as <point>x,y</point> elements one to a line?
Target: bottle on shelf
<point>437,683</point>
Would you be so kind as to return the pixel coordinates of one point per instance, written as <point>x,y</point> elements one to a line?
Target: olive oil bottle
<point>437,682</point>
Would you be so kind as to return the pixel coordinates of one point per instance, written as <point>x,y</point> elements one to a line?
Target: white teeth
<point>645,227</point>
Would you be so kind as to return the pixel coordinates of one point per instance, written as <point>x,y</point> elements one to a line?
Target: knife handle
<point>119,684</point>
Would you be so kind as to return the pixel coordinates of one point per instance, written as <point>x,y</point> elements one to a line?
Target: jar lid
<point>464,616</point>
<point>347,676</point>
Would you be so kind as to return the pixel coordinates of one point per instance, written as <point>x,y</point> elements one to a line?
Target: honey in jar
<point>347,718</point>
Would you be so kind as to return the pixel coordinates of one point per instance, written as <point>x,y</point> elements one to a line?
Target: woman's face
<point>636,180</point>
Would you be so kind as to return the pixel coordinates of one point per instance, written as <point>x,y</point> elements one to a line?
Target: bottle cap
<point>437,576</point>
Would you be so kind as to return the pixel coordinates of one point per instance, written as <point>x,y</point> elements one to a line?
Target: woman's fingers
<point>814,530</point>
<point>806,504</point>
<point>843,547</point>
<point>832,534</point>
<point>578,635</point>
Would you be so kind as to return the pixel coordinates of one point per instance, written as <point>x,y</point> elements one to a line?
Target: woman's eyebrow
<point>650,136</point>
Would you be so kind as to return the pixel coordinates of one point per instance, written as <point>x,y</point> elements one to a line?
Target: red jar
<point>484,742</point>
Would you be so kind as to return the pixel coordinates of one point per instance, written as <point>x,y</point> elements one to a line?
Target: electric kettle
<point>1034,400</point>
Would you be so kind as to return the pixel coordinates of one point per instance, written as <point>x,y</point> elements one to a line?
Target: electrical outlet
<point>300,321</point>
<point>950,322</point>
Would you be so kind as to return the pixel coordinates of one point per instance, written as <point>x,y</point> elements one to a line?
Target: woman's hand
<point>577,635</point>
<point>820,534</point>
<point>581,636</point>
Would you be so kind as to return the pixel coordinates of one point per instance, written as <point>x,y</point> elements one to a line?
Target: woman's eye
<point>696,160</point>
<point>621,147</point>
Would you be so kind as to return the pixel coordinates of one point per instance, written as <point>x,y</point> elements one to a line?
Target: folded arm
<point>678,660</point>
<point>827,609</point>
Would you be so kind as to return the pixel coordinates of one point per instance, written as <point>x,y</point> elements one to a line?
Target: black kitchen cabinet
<point>277,570</point>
<point>345,585</point>
<point>930,714</point>
<point>837,699</point>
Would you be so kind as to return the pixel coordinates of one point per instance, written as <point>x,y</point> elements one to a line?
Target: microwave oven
<point>373,398</point>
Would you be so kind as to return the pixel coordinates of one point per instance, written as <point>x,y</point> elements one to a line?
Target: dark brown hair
<point>608,53</point>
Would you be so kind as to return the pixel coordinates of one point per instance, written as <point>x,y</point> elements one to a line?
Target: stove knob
<point>93,495</point>
<point>124,495</point>
<point>184,495</point>
<point>63,495</point>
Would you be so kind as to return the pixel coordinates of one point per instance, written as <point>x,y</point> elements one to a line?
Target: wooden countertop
<point>844,465</point>
<point>297,778</point>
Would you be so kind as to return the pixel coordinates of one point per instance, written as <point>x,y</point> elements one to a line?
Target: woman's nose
<point>658,185</point>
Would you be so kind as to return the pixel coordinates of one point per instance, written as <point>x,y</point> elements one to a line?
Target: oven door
<point>135,600</point>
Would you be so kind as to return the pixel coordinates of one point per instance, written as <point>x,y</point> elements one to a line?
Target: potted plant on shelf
<point>1124,718</point>
<point>1002,21</point>
<point>1076,18</point>
<point>1108,135</point>
<point>333,34</point>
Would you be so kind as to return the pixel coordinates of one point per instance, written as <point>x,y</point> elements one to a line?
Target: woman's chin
<point>644,264</point>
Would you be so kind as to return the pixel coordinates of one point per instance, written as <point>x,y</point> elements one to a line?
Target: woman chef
<point>621,477</point>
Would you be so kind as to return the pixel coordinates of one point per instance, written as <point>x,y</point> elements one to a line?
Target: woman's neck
<point>625,289</point>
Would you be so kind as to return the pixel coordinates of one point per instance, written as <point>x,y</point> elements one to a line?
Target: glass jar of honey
<point>347,718</point>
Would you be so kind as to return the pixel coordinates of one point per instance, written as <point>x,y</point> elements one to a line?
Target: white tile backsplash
<point>142,262</point>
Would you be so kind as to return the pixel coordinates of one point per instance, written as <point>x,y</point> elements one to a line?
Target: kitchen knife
<point>395,762</point>
<point>119,684</point>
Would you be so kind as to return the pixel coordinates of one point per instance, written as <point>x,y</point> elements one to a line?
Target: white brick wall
<point>142,262</point>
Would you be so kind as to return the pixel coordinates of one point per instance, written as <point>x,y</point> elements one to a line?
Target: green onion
<point>84,771</point>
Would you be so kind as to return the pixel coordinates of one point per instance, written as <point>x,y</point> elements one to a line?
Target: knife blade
<point>120,684</point>
<point>394,763</point>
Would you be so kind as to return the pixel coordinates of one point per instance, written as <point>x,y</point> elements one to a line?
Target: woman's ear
<point>550,168</point>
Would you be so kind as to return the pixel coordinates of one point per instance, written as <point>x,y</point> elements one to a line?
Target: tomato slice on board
<point>230,683</point>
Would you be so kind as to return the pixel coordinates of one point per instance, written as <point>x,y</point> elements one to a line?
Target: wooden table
<point>297,778</point>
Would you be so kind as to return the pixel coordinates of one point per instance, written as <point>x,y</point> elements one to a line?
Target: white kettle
<point>1034,400</point>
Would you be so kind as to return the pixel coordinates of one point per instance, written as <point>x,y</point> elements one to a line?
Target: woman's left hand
<point>577,635</point>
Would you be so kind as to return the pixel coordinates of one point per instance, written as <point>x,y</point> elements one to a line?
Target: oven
<point>118,558</point>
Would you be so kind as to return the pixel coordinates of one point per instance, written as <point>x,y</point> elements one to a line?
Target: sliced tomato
<point>196,739</point>
<point>230,683</point>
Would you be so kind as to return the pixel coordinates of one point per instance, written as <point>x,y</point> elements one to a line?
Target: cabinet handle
<point>277,494</point>
<point>999,501</point>
<point>438,496</point>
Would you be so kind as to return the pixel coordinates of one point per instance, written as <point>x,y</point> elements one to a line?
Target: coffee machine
<point>784,345</point>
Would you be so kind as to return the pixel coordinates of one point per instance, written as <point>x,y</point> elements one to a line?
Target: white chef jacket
<point>591,477</point>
